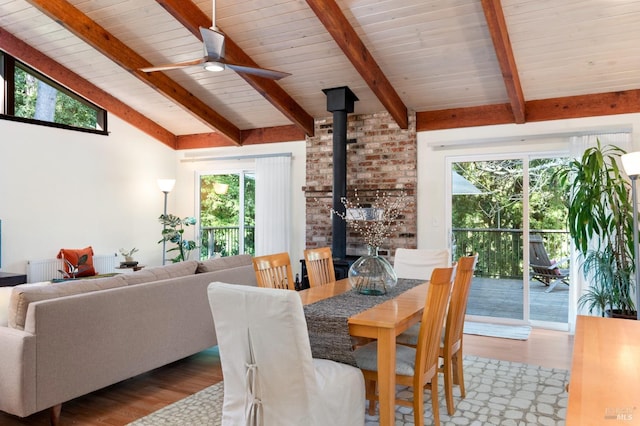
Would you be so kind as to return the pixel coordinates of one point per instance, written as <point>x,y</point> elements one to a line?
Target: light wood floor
<point>134,398</point>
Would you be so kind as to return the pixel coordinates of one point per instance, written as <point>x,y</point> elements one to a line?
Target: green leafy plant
<point>601,226</point>
<point>172,232</point>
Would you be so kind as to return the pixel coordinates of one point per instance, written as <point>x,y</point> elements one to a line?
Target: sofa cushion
<point>239,275</point>
<point>138,277</point>
<point>23,295</point>
<point>5,296</point>
<point>73,256</point>
<point>219,263</point>
<point>5,300</point>
<point>173,270</point>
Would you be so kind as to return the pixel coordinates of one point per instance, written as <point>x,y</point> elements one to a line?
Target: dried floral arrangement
<point>375,223</point>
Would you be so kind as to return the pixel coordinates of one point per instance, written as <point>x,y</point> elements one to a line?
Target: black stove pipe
<point>340,102</point>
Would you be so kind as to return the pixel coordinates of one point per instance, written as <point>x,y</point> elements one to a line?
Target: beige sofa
<point>68,339</point>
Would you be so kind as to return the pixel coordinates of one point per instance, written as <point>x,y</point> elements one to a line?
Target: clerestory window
<point>31,97</point>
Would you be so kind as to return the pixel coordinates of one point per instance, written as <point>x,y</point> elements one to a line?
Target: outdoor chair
<point>319,262</point>
<point>543,269</point>
<point>270,377</point>
<point>415,367</point>
<point>274,271</point>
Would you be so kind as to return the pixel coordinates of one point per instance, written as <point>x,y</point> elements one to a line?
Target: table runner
<point>327,320</point>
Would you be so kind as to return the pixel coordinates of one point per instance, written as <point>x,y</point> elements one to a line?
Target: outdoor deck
<point>503,298</point>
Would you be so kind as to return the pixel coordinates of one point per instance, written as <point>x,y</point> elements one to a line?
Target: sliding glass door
<point>496,204</point>
<point>227,213</point>
<point>549,239</point>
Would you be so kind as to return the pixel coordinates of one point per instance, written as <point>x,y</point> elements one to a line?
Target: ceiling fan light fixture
<point>214,66</point>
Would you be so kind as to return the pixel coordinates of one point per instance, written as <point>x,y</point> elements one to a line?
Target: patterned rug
<point>498,393</point>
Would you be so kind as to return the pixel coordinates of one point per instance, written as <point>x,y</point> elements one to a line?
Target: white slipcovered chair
<point>270,377</point>
<point>420,263</point>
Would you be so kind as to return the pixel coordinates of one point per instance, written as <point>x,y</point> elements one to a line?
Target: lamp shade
<point>631,163</point>
<point>166,185</point>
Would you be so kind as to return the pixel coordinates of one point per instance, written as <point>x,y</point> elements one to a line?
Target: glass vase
<point>372,274</point>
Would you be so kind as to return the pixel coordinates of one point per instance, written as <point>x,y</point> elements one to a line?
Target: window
<point>227,213</point>
<point>34,98</point>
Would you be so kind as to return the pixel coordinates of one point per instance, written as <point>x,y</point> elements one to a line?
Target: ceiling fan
<point>214,60</point>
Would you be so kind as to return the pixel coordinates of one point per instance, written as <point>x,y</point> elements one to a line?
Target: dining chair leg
<point>435,403</point>
<point>418,407</point>
<point>448,384</point>
<point>370,390</point>
<point>458,372</point>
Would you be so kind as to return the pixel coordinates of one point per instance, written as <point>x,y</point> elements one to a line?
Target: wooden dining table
<point>382,322</point>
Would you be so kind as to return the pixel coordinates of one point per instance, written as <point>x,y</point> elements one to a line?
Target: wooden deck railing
<point>500,250</point>
<point>226,241</point>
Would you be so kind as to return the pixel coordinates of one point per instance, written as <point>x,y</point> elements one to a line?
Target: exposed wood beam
<point>502,45</point>
<point>272,135</point>
<point>249,137</point>
<point>464,117</point>
<point>192,17</point>
<point>343,33</point>
<point>202,140</point>
<point>99,38</point>
<point>611,103</point>
<point>36,59</point>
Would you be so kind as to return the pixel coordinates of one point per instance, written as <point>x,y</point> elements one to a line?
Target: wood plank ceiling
<point>453,63</point>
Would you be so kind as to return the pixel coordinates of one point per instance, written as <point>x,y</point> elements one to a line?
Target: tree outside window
<point>227,217</point>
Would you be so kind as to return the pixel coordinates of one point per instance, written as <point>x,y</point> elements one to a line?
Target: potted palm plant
<point>601,227</point>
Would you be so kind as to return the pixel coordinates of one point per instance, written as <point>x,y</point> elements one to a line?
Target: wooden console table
<point>11,279</point>
<point>604,386</point>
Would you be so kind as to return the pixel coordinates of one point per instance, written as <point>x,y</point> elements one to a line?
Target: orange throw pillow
<point>86,269</point>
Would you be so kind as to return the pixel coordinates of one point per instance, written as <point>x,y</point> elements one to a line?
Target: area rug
<point>498,393</point>
<point>517,332</point>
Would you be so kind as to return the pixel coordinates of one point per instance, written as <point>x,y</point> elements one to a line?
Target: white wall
<point>68,189</point>
<point>435,147</point>
<point>213,160</point>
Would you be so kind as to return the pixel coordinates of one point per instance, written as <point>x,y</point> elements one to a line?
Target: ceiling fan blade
<point>176,65</point>
<point>260,72</point>
<point>213,43</point>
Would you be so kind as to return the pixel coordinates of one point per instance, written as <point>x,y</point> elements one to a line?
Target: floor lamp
<point>165,185</point>
<point>631,164</point>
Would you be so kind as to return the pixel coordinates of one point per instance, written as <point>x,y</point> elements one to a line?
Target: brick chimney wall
<point>382,160</point>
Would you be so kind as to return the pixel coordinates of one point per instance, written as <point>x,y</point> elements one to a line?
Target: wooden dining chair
<point>451,346</point>
<point>319,262</point>
<point>415,367</point>
<point>274,271</point>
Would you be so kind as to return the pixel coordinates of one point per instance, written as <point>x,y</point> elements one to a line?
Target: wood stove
<point>340,102</point>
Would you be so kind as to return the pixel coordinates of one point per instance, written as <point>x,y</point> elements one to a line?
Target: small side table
<point>10,279</point>
<point>129,269</point>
